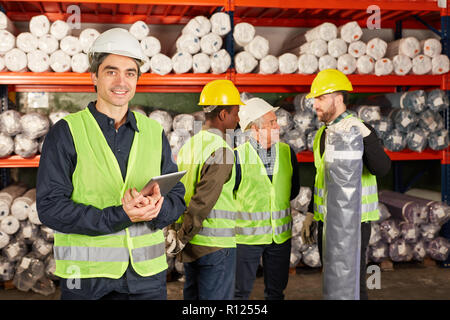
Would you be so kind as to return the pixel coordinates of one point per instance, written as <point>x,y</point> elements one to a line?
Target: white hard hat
<point>118,41</point>
<point>253,110</point>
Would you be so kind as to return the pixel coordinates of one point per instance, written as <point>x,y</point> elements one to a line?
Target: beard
<point>329,114</point>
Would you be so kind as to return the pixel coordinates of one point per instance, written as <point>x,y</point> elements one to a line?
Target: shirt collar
<point>257,146</point>
<point>339,118</point>
<point>104,121</point>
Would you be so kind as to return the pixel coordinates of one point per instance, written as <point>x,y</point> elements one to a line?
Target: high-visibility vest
<point>97,181</point>
<point>264,206</point>
<point>218,229</point>
<point>369,200</point>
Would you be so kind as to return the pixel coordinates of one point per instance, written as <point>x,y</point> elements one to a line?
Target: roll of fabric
<point>402,64</point>
<point>288,63</point>
<point>429,231</point>
<point>317,47</point>
<point>408,46</point>
<point>350,32</point>
<point>431,47</point>
<point>376,48</point>
<point>326,31</point>
<point>33,215</point>
<point>10,122</point>
<point>39,25</point>
<point>151,46</point>
<point>383,67</point>
<point>268,65</point>
<point>414,100</point>
<point>417,140</point>
<point>284,120</point>
<point>199,26</point>
<point>405,120</point>
<point>409,232</point>
<point>60,29</point>
<point>6,23</point>
<point>15,250</point>
<point>311,256</point>
<point>365,65</point>
<point>404,207</point>
<point>161,64</point>
<point>302,103</point>
<point>188,43</point>
<point>177,139</point>
<point>382,127</point>
<point>7,196</point>
<point>220,23</point>
<point>70,45</point>
<point>4,240</point>
<point>47,233</point>
<point>430,121</point>
<point>139,30</point>
<point>211,43</point>
<point>244,62</point>
<point>48,43</point>
<point>28,232</point>
<point>389,228</point>
<point>146,66</point>
<point>41,248</point>
<point>368,113</point>
<point>10,225</point>
<point>243,34</point>
<point>419,251</point>
<point>310,140</point>
<point>346,64</point>
<point>327,62</point>
<point>296,140</point>
<point>437,100</point>
<point>87,38</point>
<point>24,146</point>
<point>438,213</point>
<point>438,249</point>
<point>22,205</point>
<point>357,49</point>
<point>302,200</point>
<point>182,62</point>
<point>7,41</point>
<point>440,64</point>
<point>438,140</point>
<point>164,118</point>
<point>307,64</point>
<point>6,145</point>
<point>337,47</point>
<point>258,47</point>
<point>60,61</point>
<point>80,62</point>
<point>421,64</point>
<point>183,122</point>
<point>304,121</point>
<point>38,61</point>
<point>395,140</point>
<point>378,252</point>
<point>220,61</point>
<point>34,125</point>
<point>27,42</point>
<point>384,215</point>
<point>201,63</point>
<point>400,251</point>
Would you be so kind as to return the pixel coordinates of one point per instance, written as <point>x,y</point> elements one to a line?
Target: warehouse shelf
<point>16,161</point>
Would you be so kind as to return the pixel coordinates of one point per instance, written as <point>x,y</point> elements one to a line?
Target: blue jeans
<point>211,277</point>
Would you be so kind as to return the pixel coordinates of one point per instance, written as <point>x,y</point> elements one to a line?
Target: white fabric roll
<point>10,225</point>
<point>288,63</point>
<point>384,67</point>
<point>146,66</point>
<point>7,41</point>
<point>365,64</point>
<point>326,31</point>
<point>87,38</point>
<point>431,47</point>
<point>6,145</point>
<point>220,23</point>
<point>150,46</point>
<point>201,63</point>
<point>440,64</point>
<point>337,47</point>
<point>70,45</point>
<point>182,62</point>
<point>376,48</point>
<point>22,205</point>
<point>245,62</point>
<point>350,32</point>
<point>327,62</point>
<point>402,64</point>
<point>2,64</point>
<point>268,64</point>
<point>317,47</point>
<point>38,61</point>
<point>80,63</point>
<point>198,26</point>
<point>220,61</point>
<point>258,47</point>
<point>4,237</point>
<point>60,61</point>
<point>161,64</point>
<point>188,43</point>
<point>140,30</point>
<point>243,33</point>
<point>27,42</point>
<point>6,23</point>
<point>33,215</point>
<point>164,118</point>
<point>421,64</point>
<point>357,48</point>
<point>346,64</point>
<point>48,43</point>
<point>60,29</point>
<point>10,122</point>
<point>211,43</point>
<point>39,25</point>
<point>307,64</point>
<point>55,116</point>
<point>16,60</point>
<point>24,146</point>
<point>408,46</point>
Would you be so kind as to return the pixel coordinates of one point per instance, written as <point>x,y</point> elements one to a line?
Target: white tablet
<point>166,182</point>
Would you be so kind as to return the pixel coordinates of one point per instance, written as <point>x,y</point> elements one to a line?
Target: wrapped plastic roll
<point>87,38</point>
<point>150,46</point>
<point>389,231</point>
<point>161,64</point>
<point>438,140</point>
<point>241,137</point>
<point>296,139</point>
<point>177,139</point>
<point>6,24</point>
<point>258,47</point>
<point>245,62</point>
<point>384,67</point>
<point>7,41</point>
<point>47,233</point>
<point>80,63</point>
<point>15,250</point>
<point>350,32</point>
<point>375,235</point>
<point>304,121</point>
<point>302,200</point>
<point>295,258</point>
<point>421,64</point>
<point>33,215</point>
<point>245,96</point>
<point>288,63</point>
<point>438,249</point>
<point>382,127</point>
<point>7,196</point>
<point>183,122</point>
<point>317,47</point>
<point>440,64</point>
<point>419,251</point>
<point>29,271</point>
<point>395,140</point>
<point>378,252</point>
<point>139,30</point>
<point>399,251</point>
<point>42,248</point>
<point>310,140</point>
<point>404,207</point>
<point>4,240</point>
<point>284,120</point>
<point>337,47</point>
<point>297,224</point>
<point>409,232</point>
<point>189,43</point>
<point>27,42</point>
<point>384,213</point>
<point>439,213</point>
<point>327,62</point>
<point>164,118</point>
<point>326,31</point>
<point>201,63</point>
<point>181,62</point>
<point>3,66</point>
<point>39,25</point>
<point>307,64</point>
<point>220,23</point>
<point>431,47</point>
<point>60,61</point>
<point>429,231</point>
<point>402,64</point>
<point>302,103</point>
<point>437,100</point>
<point>357,49</point>
<point>405,120</point>
<point>346,64</point>
<point>24,146</point>
<point>376,48</point>
<point>368,113</point>
<point>44,286</point>
<point>55,116</point>
<point>10,122</point>
<point>60,29</point>
<point>243,33</point>
<point>311,257</point>
<point>10,225</point>
<point>198,26</point>
<point>417,140</point>
<point>408,46</point>
<point>145,67</point>
<point>38,61</point>
<point>414,101</point>
<point>22,205</point>
<point>220,61</point>
<point>48,44</point>
<point>6,145</point>
<point>16,60</point>
<point>70,45</point>
<point>268,65</point>
<point>365,65</point>
<point>7,269</point>
<point>34,125</point>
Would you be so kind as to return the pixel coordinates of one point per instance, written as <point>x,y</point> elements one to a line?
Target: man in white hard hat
<point>267,175</point>
<point>109,242</point>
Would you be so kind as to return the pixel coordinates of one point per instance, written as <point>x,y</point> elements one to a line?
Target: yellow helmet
<point>328,81</point>
<point>220,93</point>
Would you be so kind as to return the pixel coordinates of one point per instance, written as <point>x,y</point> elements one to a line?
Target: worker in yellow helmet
<point>206,231</point>
<point>329,90</point>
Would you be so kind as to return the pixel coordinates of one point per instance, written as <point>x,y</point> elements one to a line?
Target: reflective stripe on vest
<point>109,255</point>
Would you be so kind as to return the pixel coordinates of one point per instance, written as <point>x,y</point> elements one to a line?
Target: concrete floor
<point>409,281</point>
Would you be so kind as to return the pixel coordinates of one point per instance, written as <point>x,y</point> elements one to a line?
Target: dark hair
<point>215,113</point>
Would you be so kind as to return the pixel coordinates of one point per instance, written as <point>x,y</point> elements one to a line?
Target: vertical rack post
<point>5,174</point>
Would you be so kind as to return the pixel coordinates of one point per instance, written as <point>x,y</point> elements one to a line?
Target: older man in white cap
<point>267,179</point>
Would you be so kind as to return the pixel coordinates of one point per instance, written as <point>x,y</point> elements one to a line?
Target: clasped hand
<point>140,208</point>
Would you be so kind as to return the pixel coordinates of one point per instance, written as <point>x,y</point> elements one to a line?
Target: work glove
<point>306,232</point>
<point>345,124</point>
<point>173,244</point>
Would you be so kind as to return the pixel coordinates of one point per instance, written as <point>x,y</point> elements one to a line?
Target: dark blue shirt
<point>57,211</point>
